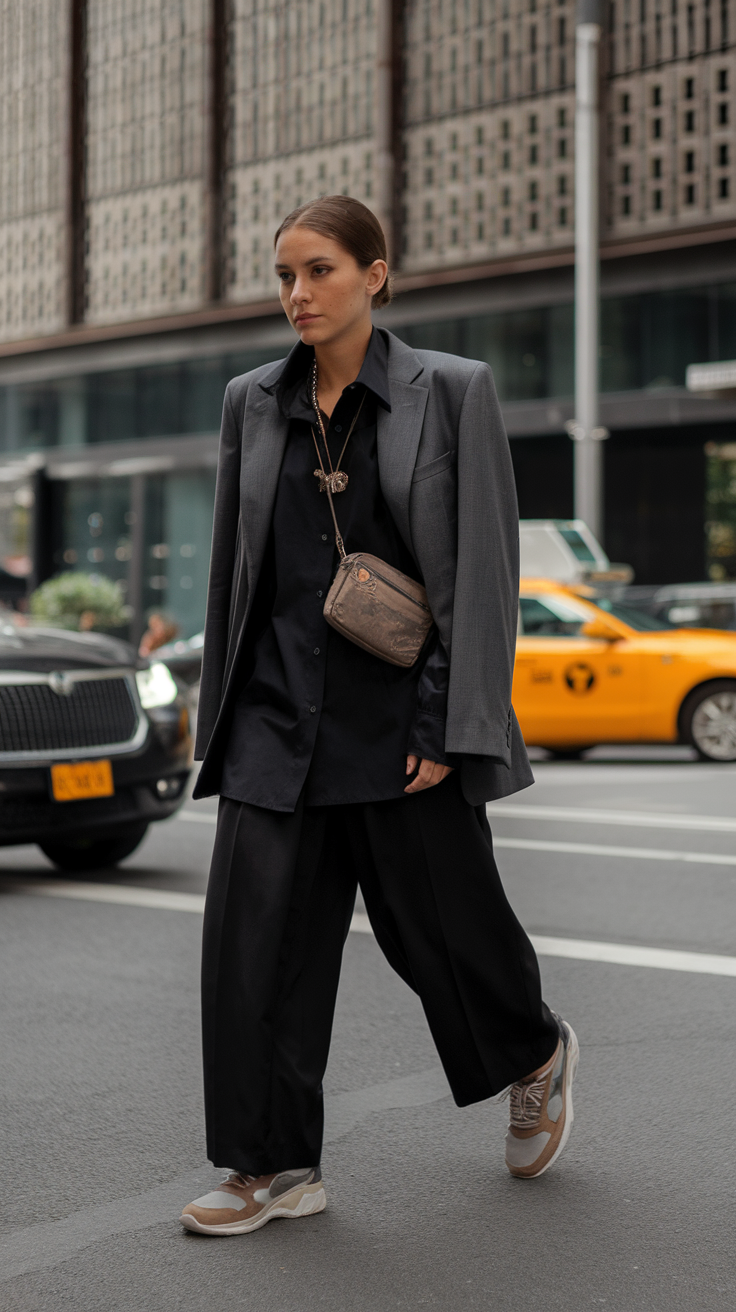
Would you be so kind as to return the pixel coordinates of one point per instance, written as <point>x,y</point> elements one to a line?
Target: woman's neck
<point>338,365</point>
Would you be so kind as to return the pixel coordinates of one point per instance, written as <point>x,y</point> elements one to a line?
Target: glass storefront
<point>720,526</point>
<point>96,530</point>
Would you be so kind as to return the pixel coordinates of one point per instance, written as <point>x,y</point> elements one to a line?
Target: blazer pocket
<point>434,466</point>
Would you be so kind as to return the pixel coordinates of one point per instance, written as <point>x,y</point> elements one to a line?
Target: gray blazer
<point>446,475</point>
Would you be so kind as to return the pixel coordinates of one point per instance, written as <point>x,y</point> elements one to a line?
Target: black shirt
<point>315,711</point>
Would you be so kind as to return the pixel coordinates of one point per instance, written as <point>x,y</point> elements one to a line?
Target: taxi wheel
<point>708,720</point>
<point>83,854</point>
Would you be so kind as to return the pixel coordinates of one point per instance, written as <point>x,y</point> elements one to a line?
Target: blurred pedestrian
<point>341,760</point>
<point>160,630</point>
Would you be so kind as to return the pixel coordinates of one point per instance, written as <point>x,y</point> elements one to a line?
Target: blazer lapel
<point>265,431</point>
<point>399,433</point>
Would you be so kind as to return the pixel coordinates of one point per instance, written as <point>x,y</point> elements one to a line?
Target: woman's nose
<point>299,292</point>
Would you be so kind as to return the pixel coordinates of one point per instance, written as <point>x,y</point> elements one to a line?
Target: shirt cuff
<point>427,737</point>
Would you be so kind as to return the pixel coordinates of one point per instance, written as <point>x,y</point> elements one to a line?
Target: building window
<point>562,185</point>
<point>562,117</point>
<point>626,103</point>
<point>562,216</point>
<point>723,79</point>
<point>626,134</point>
<point>454,170</point>
<point>506,160</point>
<point>625,204</point>
<point>690,161</point>
<point>505,129</point>
<point>479,136</point>
<point>429,177</point>
<point>506,227</point>
<point>723,112</point>
<point>690,120</point>
<point>562,147</point>
<point>656,95</point>
<point>689,88</point>
<point>533,190</point>
<point>722,188</point>
<point>690,194</point>
<point>480,232</point>
<point>428,215</point>
<point>480,200</point>
<point>453,236</point>
<point>506,196</point>
<point>657,127</point>
<point>428,241</point>
<point>723,154</point>
<point>533,121</point>
<point>626,174</point>
<point>533,153</point>
<point>428,145</point>
<point>657,200</point>
<point>533,221</point>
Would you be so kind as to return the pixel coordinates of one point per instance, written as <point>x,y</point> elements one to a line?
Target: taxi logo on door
<point>579,677</point>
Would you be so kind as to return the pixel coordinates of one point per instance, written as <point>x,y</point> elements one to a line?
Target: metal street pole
<point>585,429</point>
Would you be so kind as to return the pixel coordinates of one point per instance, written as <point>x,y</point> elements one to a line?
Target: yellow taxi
<point>589,670</point>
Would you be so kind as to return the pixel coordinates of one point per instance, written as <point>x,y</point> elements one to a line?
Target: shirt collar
<point>290,388</point>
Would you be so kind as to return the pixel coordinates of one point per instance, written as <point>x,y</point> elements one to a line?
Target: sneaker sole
<point>300,1202</point>
<point>570,1073</point>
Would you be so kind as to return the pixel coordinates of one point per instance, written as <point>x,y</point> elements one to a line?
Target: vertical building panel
<point>34,50</point>
<point>146,175</point>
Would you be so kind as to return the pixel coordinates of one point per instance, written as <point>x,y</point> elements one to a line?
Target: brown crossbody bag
<point>372,603</point>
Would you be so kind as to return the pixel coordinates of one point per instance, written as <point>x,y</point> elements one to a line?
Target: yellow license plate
<point>82,779</point>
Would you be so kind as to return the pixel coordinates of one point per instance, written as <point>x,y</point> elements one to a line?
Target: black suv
<point>94,745</point>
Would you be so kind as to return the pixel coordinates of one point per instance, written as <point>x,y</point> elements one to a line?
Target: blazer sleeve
<point>479,718</point>
<point>222,572</point>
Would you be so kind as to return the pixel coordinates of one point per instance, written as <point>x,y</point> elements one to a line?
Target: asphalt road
<point>101,1137</point>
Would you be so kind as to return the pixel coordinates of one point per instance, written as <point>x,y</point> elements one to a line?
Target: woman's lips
<point>306,318</point>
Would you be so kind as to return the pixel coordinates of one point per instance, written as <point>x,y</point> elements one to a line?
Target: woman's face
<point>323,289</point>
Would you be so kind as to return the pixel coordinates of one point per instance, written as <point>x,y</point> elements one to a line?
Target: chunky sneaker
<point>541,1113</point>
<point>242,1202</point>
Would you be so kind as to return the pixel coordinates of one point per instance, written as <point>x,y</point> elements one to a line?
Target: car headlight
<point>156,686</point>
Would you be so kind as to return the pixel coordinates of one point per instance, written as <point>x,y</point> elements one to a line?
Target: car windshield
<point>636,619</point>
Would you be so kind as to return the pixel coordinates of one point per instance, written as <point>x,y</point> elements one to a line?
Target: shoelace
<point>525,1102</point>
<point>241,1181</point>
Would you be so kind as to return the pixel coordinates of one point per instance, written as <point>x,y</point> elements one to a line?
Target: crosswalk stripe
<point>618,954</point>
<point>628,853</point>
<point>600,816</point>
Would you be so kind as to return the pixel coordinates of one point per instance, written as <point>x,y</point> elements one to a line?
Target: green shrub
<point>79,601</point>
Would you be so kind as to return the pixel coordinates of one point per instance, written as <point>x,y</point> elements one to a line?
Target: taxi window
<point>549,618</point>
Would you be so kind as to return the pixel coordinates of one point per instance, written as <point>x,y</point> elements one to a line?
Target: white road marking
<point>618,954</point>
<point>628,853</point>
<point>199,817</point>
<point>635,819</point>
<point>625,954</point>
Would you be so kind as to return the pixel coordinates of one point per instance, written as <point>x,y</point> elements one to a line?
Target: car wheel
<point>708,720</point>
<point>84,854</point>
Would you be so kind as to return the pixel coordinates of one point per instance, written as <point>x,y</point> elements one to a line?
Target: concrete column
<point>585,429</point>
<point>383,127</point>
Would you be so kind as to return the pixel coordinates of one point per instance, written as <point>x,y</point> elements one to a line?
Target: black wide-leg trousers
<point>279,903</point>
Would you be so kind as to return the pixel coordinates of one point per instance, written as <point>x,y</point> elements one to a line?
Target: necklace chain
<point>337,480</point>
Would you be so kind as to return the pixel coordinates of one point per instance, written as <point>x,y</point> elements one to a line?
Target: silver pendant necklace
<point>337,479</point>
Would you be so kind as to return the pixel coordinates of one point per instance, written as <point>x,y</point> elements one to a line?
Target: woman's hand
<point>429,774</point>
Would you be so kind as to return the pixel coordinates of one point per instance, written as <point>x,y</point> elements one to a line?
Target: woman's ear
<point>377,275</point>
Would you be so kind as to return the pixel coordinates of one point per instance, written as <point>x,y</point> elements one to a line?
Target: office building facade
<point>148,150</point>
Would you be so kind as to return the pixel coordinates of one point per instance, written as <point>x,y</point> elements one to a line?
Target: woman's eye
<point>320,268</point>
<point>285,277</point>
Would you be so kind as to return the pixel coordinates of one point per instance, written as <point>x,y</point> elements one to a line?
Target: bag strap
<point>338,536</point>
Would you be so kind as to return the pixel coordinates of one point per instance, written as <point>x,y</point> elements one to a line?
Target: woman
<point>335,767</point>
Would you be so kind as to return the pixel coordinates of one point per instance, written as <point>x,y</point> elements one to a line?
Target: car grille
<point>97,713</point>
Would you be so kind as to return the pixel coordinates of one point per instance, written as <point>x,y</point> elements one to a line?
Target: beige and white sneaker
<point>541,1112</point>
<point>244,1202</point>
